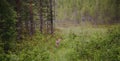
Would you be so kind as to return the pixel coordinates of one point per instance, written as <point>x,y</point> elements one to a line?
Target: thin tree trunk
<point>41,19</point>
<point>19,21</point>
<point>51,16</point>
<point>32,25</point>
<point>27,26</point>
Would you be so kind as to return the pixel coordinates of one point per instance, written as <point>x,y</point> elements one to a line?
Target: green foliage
<point>7,25</point>
<point>37,49</point>
<point>7,21</point>
<point>93,44</point>
<point>95,11</point>
<point>96,44</point>
<point>106,48</point>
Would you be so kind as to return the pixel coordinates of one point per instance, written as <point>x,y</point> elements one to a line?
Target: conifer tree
<point>7,24</point>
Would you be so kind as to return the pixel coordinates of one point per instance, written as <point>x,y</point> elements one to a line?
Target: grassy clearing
<point>78,44</point>
<point>92,44</point>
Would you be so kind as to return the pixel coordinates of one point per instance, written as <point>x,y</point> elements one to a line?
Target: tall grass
<point>79,44</point>
<point>98,46</point>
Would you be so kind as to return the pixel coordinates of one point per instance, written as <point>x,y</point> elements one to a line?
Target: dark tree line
<point>18,19</point>
<point>46,16</point>
<point>7,24</point>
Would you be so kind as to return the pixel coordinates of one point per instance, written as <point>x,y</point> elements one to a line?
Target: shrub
<point>105,48</point>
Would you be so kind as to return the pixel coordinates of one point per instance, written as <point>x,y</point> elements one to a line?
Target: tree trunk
<point>19,21</point>
<point>32,24</point>
<point>41,18</point>
<point>51,17</point>
<point>27,26</point>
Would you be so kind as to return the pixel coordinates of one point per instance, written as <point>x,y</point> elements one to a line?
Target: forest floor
<point>77,44</point>
<point>66,48</point>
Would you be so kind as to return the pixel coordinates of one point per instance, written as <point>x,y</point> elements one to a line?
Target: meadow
<point>77,44</point>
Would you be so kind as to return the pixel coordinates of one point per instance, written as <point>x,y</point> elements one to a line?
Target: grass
<point>78,44</point>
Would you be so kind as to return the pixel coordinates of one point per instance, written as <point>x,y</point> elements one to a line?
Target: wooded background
<point>20,19</point>
<point>91,11</point>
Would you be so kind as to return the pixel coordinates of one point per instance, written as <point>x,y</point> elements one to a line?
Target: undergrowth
<point>93,44</point>
<point>100,47</point>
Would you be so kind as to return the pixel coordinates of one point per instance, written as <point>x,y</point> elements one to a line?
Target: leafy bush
<point>106,48</point>
<point>36,49</point>
<point>37,54</point>
<point>88,45</point>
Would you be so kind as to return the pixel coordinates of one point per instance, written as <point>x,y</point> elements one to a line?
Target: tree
<point>46,16</point>
<point>51,16</point>
<point>41,16</point>
<point>7,24</point>
<point>32,24</point>
<point>19,19</point>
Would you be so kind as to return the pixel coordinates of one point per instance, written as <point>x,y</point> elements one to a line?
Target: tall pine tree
<point>7,24</point>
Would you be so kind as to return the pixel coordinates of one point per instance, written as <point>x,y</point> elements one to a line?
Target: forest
<point>59,30</point>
